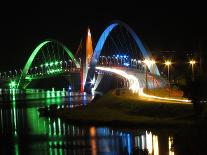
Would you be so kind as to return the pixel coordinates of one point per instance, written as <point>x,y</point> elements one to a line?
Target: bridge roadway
<point>136,83</point>
<point>153,81</point>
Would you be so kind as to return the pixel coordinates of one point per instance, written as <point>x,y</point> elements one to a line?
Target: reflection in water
<point>32,134</point>
<point>93,141</point>
<point>27,133</point>
<point>147,142</point>
<point>155,145</point>
<point>170,143</point>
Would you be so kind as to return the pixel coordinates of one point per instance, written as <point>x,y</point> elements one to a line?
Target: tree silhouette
<point>196,92</point>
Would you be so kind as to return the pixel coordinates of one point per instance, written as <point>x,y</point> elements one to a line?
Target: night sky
<point>170,26</point>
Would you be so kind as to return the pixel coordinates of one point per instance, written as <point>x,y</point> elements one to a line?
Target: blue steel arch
<point>97,51</point>
<point>146,54</point>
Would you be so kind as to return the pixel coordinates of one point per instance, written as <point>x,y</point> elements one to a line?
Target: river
<point>23,131</point>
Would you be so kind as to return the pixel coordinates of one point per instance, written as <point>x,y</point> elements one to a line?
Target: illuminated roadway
<point>135,85</point>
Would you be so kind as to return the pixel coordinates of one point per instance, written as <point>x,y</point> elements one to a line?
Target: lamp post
<point>147,63</point>
<point>192,63</point>
<point>168,64</point>
<point>153,78</point>
<point>70,63</point>
<point>79,61</point>
<point>132,63</point>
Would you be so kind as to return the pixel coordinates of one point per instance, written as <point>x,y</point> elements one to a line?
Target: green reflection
<point>12,85</point>
<point>16,149</point>
<point>56,63</point>
<point>48,94</point>
<point>54,127</point>
<point>60,150</point>
<point>53,97</point>
<point>14,114</point>
<point>51,64</point>
<point>36,124</point>
<point>59,127</point>
<point>12,91</point>
<point>50,149</point>
<point>50,129</point>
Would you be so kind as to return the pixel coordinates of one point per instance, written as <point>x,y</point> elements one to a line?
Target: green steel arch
<point>35,52</point>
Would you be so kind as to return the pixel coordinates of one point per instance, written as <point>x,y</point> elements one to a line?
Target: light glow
<point>168,63</point>
<point>165,98</point>
<point>12,84</point>
<point>135,86</point>
<point>192,62</point>
<point>149,141</point>
<point>149,62</point>
<point>170,143</point>
<point>93,81</point>
<point>133,81</point>
<point>155,145</point>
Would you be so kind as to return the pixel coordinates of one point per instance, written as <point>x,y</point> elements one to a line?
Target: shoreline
<point>131,112</point>
<point>129,124</point>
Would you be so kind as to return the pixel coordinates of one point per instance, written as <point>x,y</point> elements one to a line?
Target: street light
<point>147,63</point>
<point>153,72</point>
<point>192,63</point>
<point>168,63</point>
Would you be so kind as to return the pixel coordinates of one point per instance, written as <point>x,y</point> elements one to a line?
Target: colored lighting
<point>56,62</point>
<point>126,64</point>
<point>12,84</point>
<point>51,64</point>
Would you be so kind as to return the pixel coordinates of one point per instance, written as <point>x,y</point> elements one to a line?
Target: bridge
<point>118,52</point>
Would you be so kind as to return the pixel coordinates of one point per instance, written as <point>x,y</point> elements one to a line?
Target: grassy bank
<point>130,110</point>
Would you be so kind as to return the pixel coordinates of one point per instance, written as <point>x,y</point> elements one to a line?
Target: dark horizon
<point>173,27</point>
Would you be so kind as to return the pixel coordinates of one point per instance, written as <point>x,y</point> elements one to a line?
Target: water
<point>22,131</point>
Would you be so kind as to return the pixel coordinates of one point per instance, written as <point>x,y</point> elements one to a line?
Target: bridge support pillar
<point>82,78</point>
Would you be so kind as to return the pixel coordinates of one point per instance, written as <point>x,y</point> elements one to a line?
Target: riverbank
<point>130,110</point>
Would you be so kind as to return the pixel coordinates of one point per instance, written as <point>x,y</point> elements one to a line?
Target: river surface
<point>23,131</point>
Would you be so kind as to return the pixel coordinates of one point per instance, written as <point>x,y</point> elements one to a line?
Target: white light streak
<point>135,86</point>
<point>149,141</point>
<point>133,81</point>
